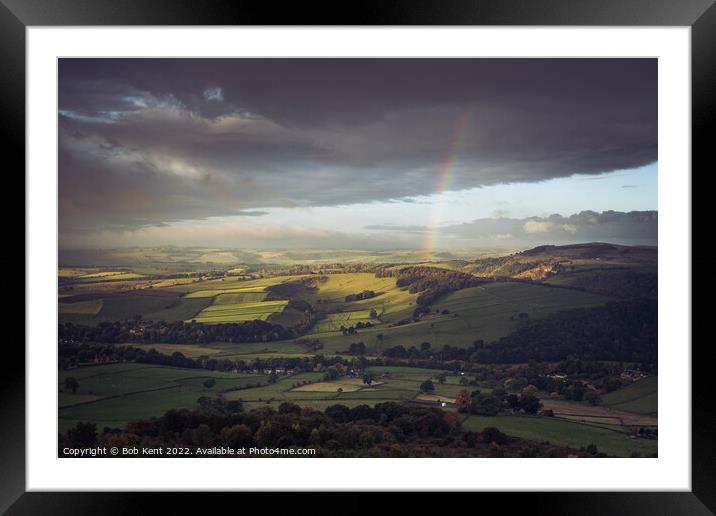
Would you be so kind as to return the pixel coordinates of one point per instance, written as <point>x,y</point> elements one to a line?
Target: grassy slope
<point>181,309</point>
<point>135,391</point>
<point>565,433</point>
<point>639,397</point>
<point>86,308</point>
<point>392,303</point>
<point>120,308</point>
<point>487,312</point>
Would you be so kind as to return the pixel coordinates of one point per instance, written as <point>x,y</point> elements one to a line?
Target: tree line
<point>388,429</point>
<point>178,332</point>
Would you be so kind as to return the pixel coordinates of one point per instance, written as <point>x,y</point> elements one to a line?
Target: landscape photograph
<point>342,258</point>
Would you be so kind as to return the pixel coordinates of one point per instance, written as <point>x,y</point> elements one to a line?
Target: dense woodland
<point>625,331</point>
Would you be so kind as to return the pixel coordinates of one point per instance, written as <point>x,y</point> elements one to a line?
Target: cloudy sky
<point>360,153</point>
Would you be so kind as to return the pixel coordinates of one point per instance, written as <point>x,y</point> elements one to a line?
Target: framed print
<point>442,249</point>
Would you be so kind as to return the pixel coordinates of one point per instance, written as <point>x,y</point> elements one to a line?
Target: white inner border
<point>671,471</point>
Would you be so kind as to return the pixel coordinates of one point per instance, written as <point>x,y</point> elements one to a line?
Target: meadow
<point>113,394</point>
<point>640,397</point>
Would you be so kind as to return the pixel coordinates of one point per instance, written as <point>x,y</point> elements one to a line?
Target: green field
<point>612,441</point>
<point>119,308</point>
<point>334,321</point>
<point>124,392</point>
<point>491,310</point>
<point>639,397</point>
<point>227,349</point>
<point>400,384</point>
<point>486,312</point>
<point>188,350</point>
<point>126,307</point>
<point>179,309</point>
<point>240,351</point>
<point>91,307</point>
<point>213,287</point>
<point>344,384</point>
<point>237,312</point>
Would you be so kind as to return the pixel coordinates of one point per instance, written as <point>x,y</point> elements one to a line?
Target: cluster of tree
<point>72,354</point>
<point>430,282</point>
<point>356,348</point>
<point>366,294</point>
<point>619,331</point>
<point>592,369</point>
<point>268,270</point>
<point>178,332</point>
<point>332,373</point>
<point>499,400</point>
<point>352,330</point>
<point>296,289</point>
<point>427,386</point>
<point>446,353</point>
<point>309,344</point>
<point>388,429</point>
<point>585,382</point>
<point>308,316</point>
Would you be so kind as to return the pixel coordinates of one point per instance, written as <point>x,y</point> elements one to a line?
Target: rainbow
<point>445,177</point>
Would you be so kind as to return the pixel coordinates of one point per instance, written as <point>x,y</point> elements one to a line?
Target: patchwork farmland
<point>320,336</point>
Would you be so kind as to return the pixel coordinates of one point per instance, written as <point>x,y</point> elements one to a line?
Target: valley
<point>139,340</point>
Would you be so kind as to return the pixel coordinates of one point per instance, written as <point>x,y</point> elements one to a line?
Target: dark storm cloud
<point>146,141</point>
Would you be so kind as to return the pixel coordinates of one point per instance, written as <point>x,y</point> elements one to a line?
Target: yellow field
<point>230,290</point>
<point>72,272</point>
<point>111,275</point>
<point>172,282</point>
<point>391,302</point>
<point>238,312</point>
<point>229,283</point>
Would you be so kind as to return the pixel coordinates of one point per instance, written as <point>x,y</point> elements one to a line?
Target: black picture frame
<point>700,15</point>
